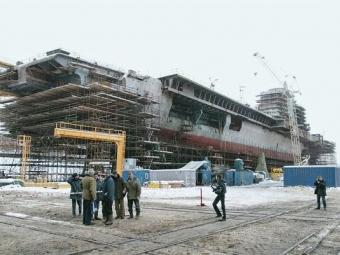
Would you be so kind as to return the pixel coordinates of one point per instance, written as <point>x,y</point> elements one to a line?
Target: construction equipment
<point>293,124</point>
<point>65,129</point>
<point>24,141</point>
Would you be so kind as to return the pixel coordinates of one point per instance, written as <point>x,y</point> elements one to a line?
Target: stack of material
<point>176,184</point>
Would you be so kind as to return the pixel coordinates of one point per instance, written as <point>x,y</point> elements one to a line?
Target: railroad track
<point>185,236</point>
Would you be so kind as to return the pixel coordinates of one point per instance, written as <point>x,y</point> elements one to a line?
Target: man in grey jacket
<point>133,194</point>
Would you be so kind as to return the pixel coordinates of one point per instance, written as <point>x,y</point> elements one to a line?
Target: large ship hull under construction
<point>168,120</point>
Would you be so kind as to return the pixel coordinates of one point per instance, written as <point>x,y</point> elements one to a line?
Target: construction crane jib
<point>65,129</point>
<point>293,124</point>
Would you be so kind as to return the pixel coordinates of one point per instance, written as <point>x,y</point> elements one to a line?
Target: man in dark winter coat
<point>134,190</point>
<point>89,194</point>
<point>320,191</point>
<point>75,195</point>
<point>99,195</point>
<point>108,197</point>
<point>120,190</point>
<point>220,189</point>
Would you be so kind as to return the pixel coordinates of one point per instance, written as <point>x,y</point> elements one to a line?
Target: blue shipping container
<point>141,175</point>
<point>306,175</point>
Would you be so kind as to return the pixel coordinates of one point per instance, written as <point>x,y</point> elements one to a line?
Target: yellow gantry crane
<point>65,129</point>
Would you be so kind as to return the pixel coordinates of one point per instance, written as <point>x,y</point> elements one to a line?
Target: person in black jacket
<point>320,191</point>
<point>108,196</point>
<point>220,189</point>
<point>120,191</point>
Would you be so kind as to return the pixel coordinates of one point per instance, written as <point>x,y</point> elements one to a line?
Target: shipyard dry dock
<point>168,121</point>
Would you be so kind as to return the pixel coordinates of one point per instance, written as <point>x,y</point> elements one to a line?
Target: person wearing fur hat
<point>75,194</point>
<point>89,194</point>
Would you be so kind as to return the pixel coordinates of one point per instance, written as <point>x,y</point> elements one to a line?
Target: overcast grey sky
<point>201,39</point>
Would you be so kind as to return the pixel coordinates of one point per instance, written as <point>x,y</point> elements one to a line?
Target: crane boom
<point>292,117</point>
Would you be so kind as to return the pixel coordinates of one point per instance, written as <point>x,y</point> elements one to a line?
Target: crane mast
<point>292,117</point>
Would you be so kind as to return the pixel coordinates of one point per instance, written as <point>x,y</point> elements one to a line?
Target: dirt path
<point>41,224</point>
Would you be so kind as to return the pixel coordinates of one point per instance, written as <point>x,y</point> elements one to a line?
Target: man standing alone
<point>220,191</point>
<point>89,194</point>
<point>133,194</point>
<point>320,191</point>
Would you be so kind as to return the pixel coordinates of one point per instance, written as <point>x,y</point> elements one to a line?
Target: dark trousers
<point>323,201</point>
<point>108,208</point>
<point>216,201</point>
<point>130,204</point>
<point>74,205</point>
<point>119,207</point>
<point>87,212</point>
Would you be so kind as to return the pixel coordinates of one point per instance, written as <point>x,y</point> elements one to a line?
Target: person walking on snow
<point>220,190</point>
<point>134,191</point>
<point>75,194</point>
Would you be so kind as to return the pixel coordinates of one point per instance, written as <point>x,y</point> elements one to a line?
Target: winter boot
<point>131,215</point>
<point>137,215</point>
<point>105,219</point>
<point>110,219</point>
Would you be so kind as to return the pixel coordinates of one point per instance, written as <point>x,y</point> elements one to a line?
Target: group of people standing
<point>89,191</point>
<point>114,188</point>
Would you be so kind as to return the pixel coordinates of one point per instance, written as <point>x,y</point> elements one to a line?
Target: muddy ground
<point>41,223</point>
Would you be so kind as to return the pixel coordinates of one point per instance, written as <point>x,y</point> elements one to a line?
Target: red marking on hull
<point>201,141</point>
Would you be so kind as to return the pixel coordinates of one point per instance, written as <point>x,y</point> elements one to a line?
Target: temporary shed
<point>306,175</point>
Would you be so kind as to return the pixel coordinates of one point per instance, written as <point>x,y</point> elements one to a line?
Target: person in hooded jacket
<point>108,197</point>
<point>134,190</point>
<point>76,194</point>
<point>320,191</point>
<point>220,190</point>
<point>120,191</point>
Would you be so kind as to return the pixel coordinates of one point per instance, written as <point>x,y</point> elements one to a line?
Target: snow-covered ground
<point>236,197</point>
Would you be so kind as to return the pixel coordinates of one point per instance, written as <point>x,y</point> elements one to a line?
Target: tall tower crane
<point>293,124</point>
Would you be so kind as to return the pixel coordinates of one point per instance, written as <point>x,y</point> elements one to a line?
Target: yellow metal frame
<point>24,141</point>
<point>65,129</point>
